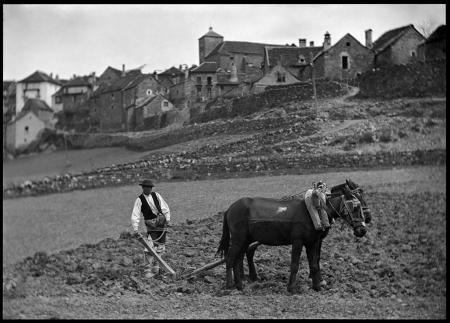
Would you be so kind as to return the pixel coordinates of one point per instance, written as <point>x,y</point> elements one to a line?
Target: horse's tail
<point>225,239</point>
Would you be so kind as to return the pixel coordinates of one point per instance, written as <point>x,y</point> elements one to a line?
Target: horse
<point>278,222</point>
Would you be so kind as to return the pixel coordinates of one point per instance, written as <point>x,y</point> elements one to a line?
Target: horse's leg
<point>251,265</point>
<point>295,259</point>
<point>241,261</point>
<point>231,262</point>
<point>312,253</point>
<point>322,281</point>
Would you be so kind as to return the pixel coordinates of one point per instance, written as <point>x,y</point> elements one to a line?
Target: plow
<point>189,273</point>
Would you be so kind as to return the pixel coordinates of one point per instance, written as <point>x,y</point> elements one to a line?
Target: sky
<point>81,39</point>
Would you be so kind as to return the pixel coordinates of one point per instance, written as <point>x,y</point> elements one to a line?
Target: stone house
<point>397,46</point>
<point>344,60</point>
<point>36,86</point>
<point>148,107</point>
<point>35,116</point>
<point>114,101</point>
<point>9,99</point>
<point>9,105</point>
<point>109,75</point>
<point>171,77</point>
<point>213,48</point>
<point>278,75</point>
<point>434,47</point>
<point>74,93</point>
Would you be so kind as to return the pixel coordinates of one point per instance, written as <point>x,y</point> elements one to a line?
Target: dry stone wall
<point>418,79</point>
<point>185,167</point>
<point>273,96</point>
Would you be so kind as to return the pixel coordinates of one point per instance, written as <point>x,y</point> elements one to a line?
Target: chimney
<point>123,69</point>
<point>327,41</point>
<point>186,72</point>
<point>369,38</point>
<point>155,75</point>
<point>311,44</point>
<point>56,77</point>
<point>51,75</point>
<point>302,42</point>
<point>233,77</point>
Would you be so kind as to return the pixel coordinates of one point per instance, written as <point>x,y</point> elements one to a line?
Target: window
<point>209,92</point>
<point>413,53</point>
<point>209,80</point>
<point>199,80</point>
<point>165,104</point>
<point>57,99</point>
<point>347,43</point>
<point>26,129</point>
<point>112,107</point>
<point>301,59</point>
<point>112,96</point>
<point>281,77</point>
<point>345,62</point>
<point>149,92</point>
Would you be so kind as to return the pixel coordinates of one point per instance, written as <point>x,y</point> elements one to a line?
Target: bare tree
<point>427,26</point>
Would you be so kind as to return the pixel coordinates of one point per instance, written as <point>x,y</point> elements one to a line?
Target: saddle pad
<point>314,214</point>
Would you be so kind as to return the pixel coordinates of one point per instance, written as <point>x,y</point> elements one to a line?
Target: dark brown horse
<point>283,222</point>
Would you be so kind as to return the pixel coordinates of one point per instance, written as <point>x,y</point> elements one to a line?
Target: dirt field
<point>398,270</point>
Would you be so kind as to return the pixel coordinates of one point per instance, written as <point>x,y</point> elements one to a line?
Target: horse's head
<point>359,193</point>
<point>352,206</point>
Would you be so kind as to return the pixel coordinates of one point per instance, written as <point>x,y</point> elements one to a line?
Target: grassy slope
<point>63,221</point>
<point>39,166</point>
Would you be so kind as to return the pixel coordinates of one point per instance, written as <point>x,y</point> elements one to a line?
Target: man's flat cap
<point>146,182</point>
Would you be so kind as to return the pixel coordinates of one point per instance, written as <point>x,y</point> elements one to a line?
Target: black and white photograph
<point>224,161</point>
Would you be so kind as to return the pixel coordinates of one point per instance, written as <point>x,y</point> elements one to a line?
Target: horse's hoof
<point>317,288</point>
<point>253,278</point>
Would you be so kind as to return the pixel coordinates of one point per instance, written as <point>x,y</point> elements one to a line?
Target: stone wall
<point>418,79</point>
<point>176,167</point>
<point>271,97</point>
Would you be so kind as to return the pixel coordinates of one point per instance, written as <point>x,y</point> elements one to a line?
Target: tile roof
<point>289,56</point>
<point>132,78</point>
<point>206,67</point>
<point>115,70</point>
<point>33,106</point>
<point>172,71</point>
<point>78,81</point>
<point>36,105</point>
<point>211,33</point>
<point>389,37</point>
<point>228,47</point>
<point>38,77</point>
<point>437,35</point>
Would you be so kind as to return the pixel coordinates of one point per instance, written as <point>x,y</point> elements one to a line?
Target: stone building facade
<point>397,46</point>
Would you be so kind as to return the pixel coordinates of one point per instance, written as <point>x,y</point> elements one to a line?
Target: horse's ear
<point>346,181</point>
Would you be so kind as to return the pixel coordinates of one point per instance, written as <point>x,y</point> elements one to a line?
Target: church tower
<point>207,43</point>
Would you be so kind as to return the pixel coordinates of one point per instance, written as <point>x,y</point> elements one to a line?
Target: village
<point>128,100</point>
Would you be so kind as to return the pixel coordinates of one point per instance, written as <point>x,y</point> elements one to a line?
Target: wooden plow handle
<point>152,250</point>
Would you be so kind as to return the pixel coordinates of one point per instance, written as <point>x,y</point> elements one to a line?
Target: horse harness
<point>349,206</point>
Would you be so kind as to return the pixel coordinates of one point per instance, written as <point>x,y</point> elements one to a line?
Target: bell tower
<point>207,43</point>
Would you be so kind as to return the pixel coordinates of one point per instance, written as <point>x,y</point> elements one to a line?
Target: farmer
<point>156,215</point>
<point>315,199</point>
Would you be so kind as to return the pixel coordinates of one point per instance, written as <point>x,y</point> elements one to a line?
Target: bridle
<point>344,208</point>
